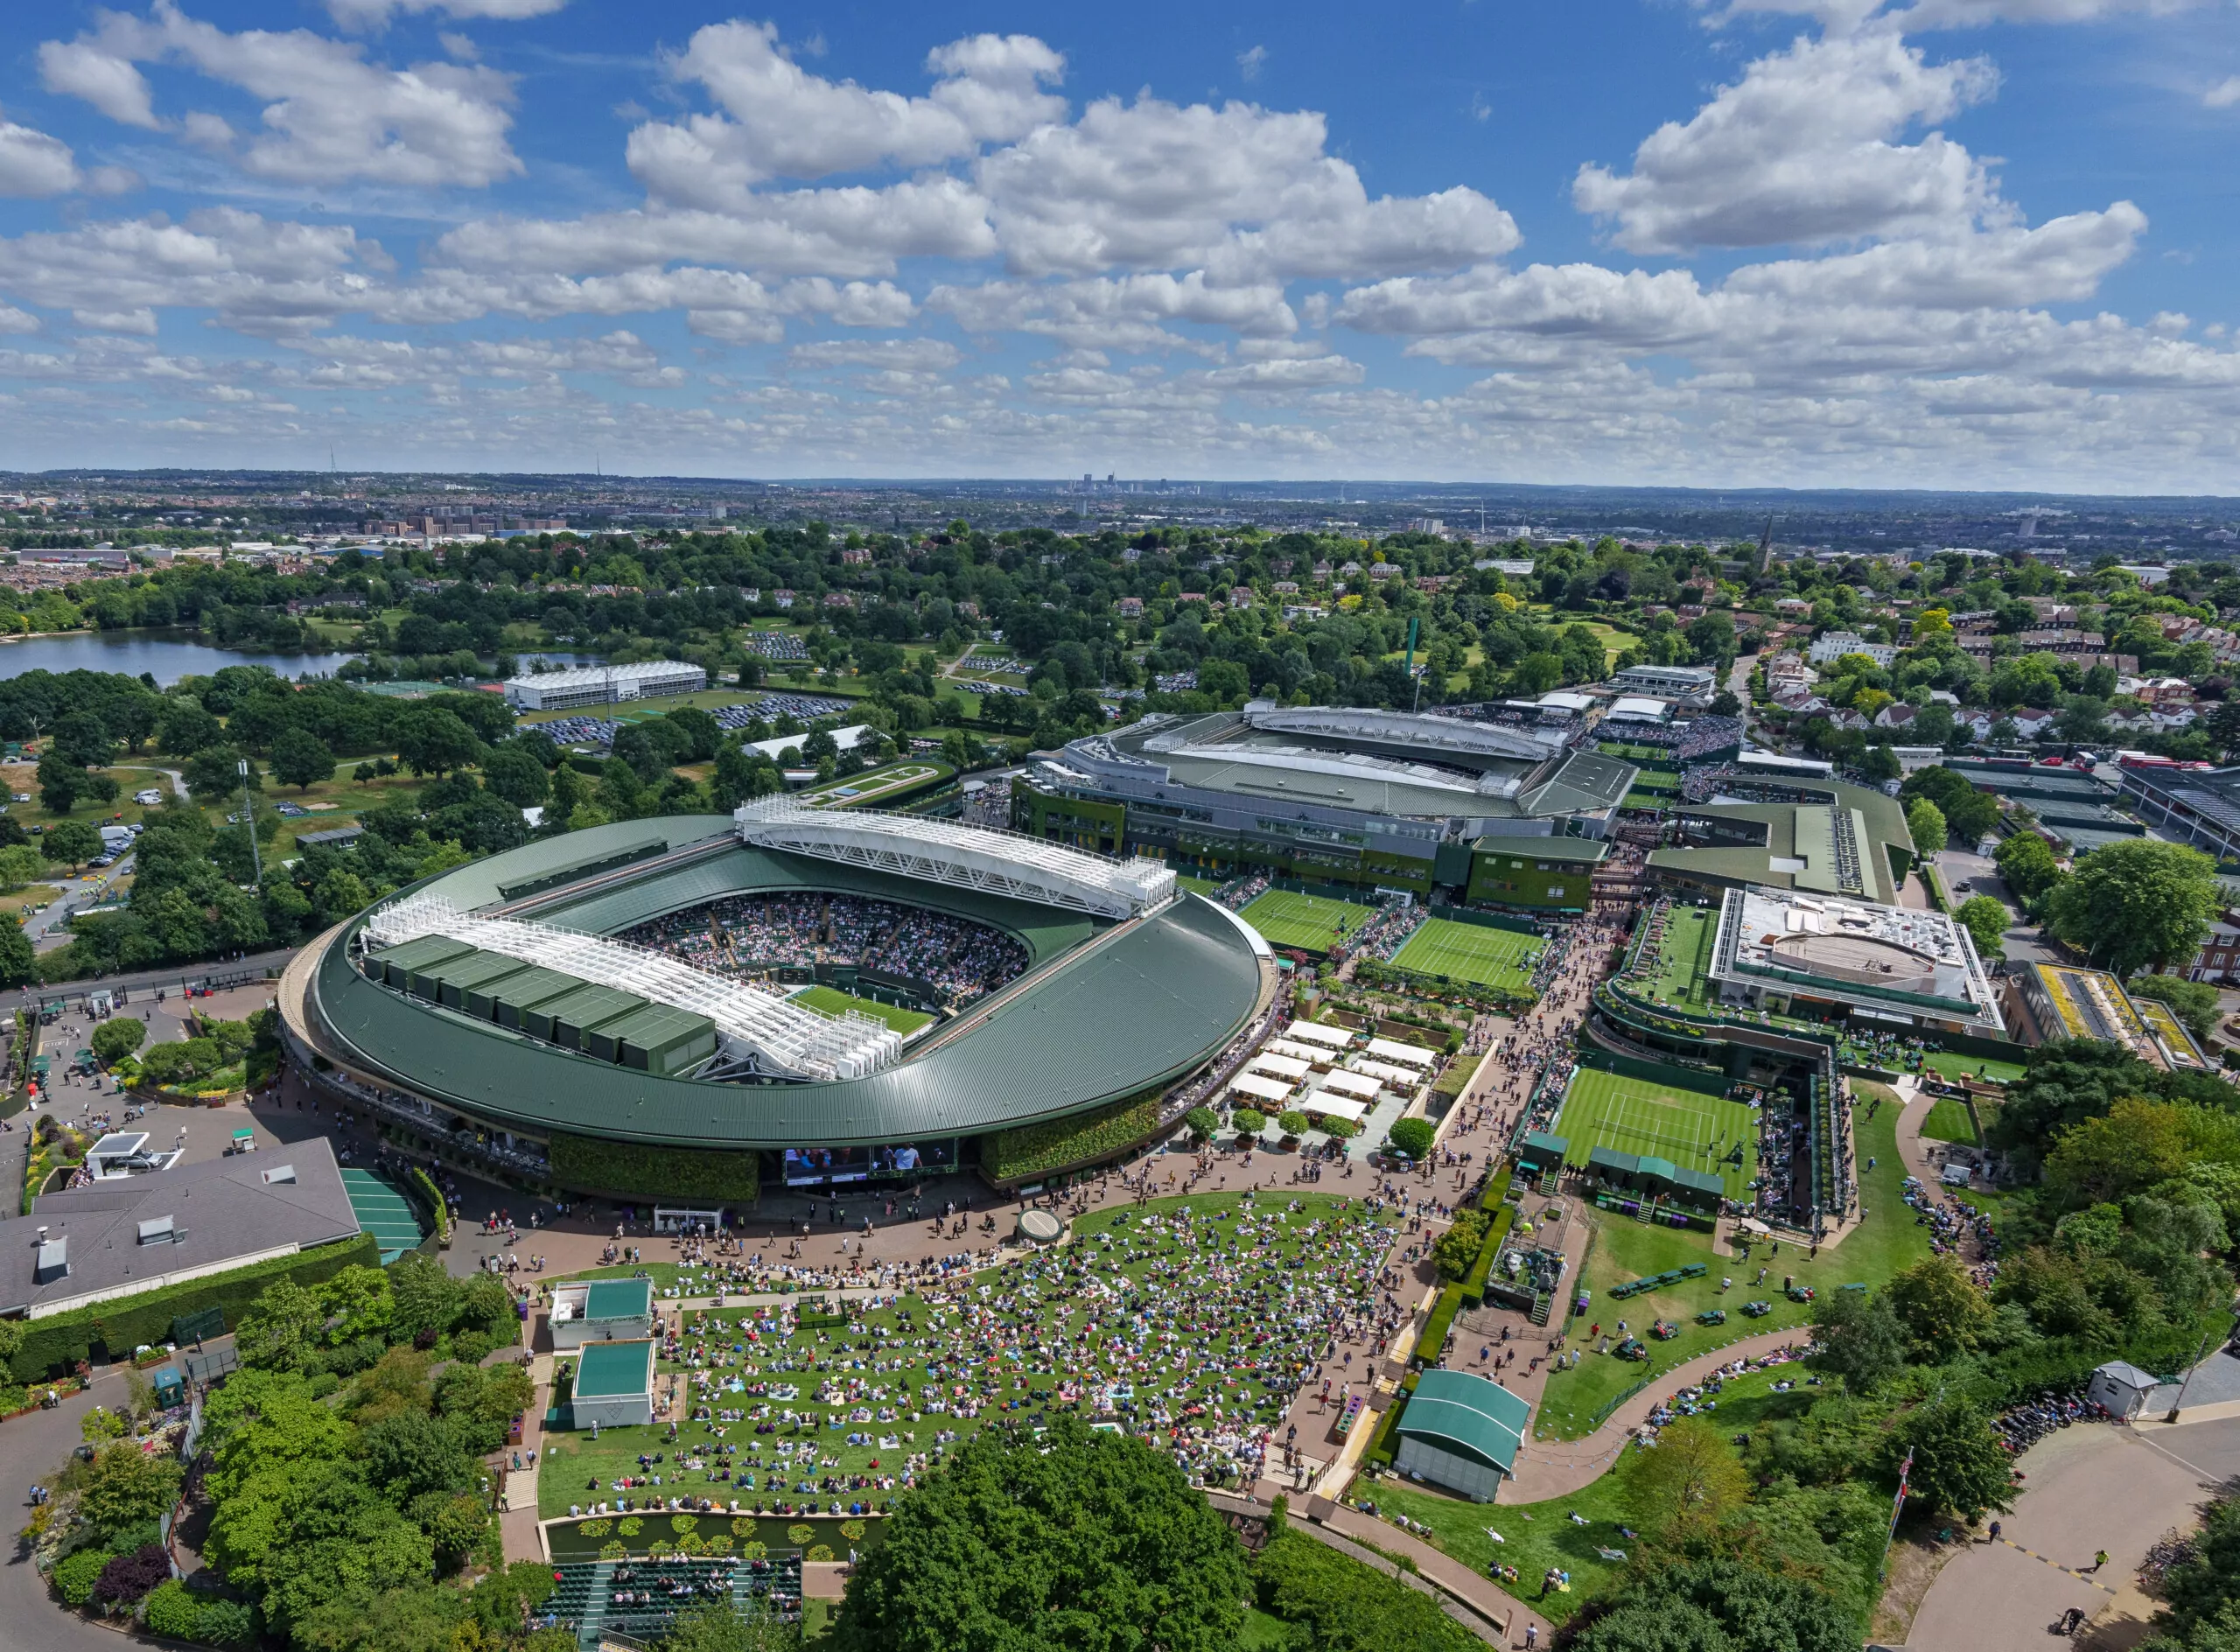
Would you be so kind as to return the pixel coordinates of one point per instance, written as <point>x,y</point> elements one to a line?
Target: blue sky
<point>1809,242</point>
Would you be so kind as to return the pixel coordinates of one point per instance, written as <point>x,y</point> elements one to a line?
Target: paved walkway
<point>2088,1487</point>
<point>1556,1468</point>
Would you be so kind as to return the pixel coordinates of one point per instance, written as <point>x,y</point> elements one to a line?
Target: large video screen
<point>838,1166</point>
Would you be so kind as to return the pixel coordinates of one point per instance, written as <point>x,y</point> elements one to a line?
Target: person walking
<point>2099,1559</point>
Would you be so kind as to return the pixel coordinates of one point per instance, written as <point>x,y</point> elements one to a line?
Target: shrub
<point>753,1549</point>
<point>1202,1123</point>
<point>1340,1129</point>
<point>176,1611</point>
<point>613,1549</point>
<point>1249,1121</point>
<point>594,1527</point>
<point>819,1551</point>
<point>1413,1137</point>
<point>719,1545</point>
<point>681,1523</point>
<point>799,1535</point>
<point>660,1549</point>
<point>852,1530</point>
<point>1291,1122</point>
<point>126,1577</point>
<point>74,1577</point>
<point>629,1526</point>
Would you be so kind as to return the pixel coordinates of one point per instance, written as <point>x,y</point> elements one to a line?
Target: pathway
<point>1558,1468</point>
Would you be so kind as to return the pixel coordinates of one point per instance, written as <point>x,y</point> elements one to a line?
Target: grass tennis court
<point>1315,922</point>
<point>1471,952</point>
<point>832,1001</point>
<point>1633,1115</point>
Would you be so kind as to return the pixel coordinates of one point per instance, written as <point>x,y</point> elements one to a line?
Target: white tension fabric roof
<point>785,1037</point>
<point>964,857</point>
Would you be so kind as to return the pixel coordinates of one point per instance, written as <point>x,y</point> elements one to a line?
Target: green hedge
<point>1442,1320</point>
<point>1473,1283</point>
<point>53,1346</point>
<point>633,1171</point>
<point>439,1212</point>
<point>1036,1149</point>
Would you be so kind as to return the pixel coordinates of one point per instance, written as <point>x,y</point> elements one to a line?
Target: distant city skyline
<point>1972,244</point>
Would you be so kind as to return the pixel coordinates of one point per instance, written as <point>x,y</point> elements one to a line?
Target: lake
<point>168,658</point>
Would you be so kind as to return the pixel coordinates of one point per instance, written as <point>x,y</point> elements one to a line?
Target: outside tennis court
<point>1635,1115</point>
<point>1315,922</point>
<point>1471,952</point>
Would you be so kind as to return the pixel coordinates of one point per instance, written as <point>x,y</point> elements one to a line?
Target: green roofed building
<point>1542,1152</point>
<point>1608,1165</point>
<point>614,1384</point>
<point>1462,1432</point>
<point>602,1311</point>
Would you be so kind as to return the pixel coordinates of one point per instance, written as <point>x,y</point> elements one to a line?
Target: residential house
<point>1898,715</point>
<point>1132,607</point>
<point>783,598</point>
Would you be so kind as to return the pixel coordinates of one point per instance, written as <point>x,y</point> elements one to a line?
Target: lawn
<point>22,900</point>
<point>832,1001</point>
<point>1206,887</point>
<point>1957,1067</point>
<point>1538,1536</point>
<point>1694,1130</point>
<point>1948,1120</point>
<point>1191,1317</point>
<point>1622,1248</point>
<point>1314,922</point>
<point>1683,960</point>
<point>1471,952</point>
<point>859,791</point>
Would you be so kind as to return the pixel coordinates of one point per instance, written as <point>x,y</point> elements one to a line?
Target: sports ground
<point>832,1001</point>
<point>1471,952</point>
<point>1633,1115</point>
<point>1314,922</point>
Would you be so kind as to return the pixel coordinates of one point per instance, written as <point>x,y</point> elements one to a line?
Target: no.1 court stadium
<point>568,1014</point>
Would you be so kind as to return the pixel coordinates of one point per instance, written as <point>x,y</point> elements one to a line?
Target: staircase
<point>1543,1305</point>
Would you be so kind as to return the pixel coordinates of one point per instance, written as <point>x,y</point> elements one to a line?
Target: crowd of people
<point>1700,1398</point>
<point>746,934</point>
<point>1956,1228</point>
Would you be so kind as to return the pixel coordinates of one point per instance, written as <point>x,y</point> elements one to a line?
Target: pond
<point>165,655</point>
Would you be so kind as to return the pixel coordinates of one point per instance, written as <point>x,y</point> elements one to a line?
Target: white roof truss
<point>961,857</point>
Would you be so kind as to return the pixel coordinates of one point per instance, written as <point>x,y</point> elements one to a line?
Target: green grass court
<point>1471,952</point>
<point>1633,1115</point>
<point>382,1212</point>
<point>832,1001</point>
<point>1315,922</point>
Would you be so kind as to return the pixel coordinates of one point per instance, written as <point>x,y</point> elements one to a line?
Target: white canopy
<point>1400,1078</point>
<point>1315,1033</point>
<point>1329,1106</point>
<point>1296,1051</point>
<point>1407,1055</point>
<point>1260,1089</point>
<point>1279,1067</point>
<point>1350,1084</point>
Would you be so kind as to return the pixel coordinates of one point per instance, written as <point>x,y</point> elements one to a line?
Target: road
<point>44,926</point>
<point>169,979</point>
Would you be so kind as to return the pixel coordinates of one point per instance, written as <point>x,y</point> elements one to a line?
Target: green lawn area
<point>1623,1250</point>
<point>1694,1130</point>
<point>1471,952</point>
<point>864,790</point>
<point>1948,1120</point>
<point>832,1001</point>
<point>1205,887</point>
<point>1315,922</point>
<point>1639,799</point>
<point>1955,1067</point>
<point>1679,975</point>
<point>1198,1297</point>
<point>1538,1536</point>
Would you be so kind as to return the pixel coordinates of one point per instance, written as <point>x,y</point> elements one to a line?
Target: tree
<point>73,843</point>
<point>1336,1604</point>
<point>1943,1312</point>
<point>1201,1123</point>
<point>1717,1603</point>
<point>1291,1122</point>
<point>62,783</point>
<point>20,865</point>
<point>1959,1465</point>
<point>1249,1121</point>
<point>2027,862</point>
<point>435,742</point>
<point>1860,1338</point>
<point>281,1328</point>
<point>514,773</point>
<point>1413,1137</point>
<point>1456,1252</point>
<point>2193,1002</point>
<point>18,960</point>
<point>213,774</point>
<point>299,759</point>
<point>128,1487</point>
<point>719,1628</point>
<point>1925,820</point>
<point>1986,920</point>
<point>1691,1475</point>
<point>2136,903</point>
<point>1075,1540</point>
<point>117,1037</point>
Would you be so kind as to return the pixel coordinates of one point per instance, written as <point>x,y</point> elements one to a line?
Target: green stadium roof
<point>1129,1009</point>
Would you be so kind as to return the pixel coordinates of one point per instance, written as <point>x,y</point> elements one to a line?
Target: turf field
<point>1633,1115</point>
<point>832,1001</point>
<point>1948,1120</point>
<point>1315,922</point>
<point>1471,952</point>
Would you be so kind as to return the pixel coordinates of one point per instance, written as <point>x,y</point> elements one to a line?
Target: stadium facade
<point>500,1015</point>
<point>1333,795</point>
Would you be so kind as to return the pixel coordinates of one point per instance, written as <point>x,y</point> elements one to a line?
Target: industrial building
<point>2191,800</point>
<point>2059,1001</point>
<point>602,685</point>
<point>1324,794</point>
<point>1779,948</point>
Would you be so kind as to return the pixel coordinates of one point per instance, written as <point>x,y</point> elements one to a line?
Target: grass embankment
<point>1623,1249</point>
